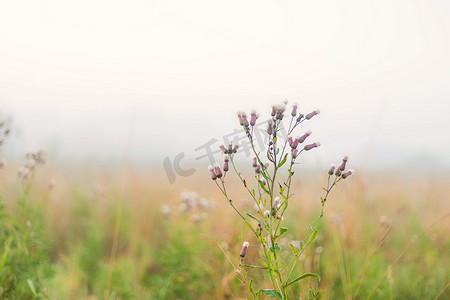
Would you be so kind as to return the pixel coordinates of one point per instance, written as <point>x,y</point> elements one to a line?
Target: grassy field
<point>129,235</point>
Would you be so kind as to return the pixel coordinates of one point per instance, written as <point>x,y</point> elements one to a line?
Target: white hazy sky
<point>95,79</point>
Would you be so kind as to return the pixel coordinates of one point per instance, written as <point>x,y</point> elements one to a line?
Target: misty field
<point>127,234</point>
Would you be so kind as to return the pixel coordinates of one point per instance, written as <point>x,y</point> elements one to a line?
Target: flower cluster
<point>33,159</point>
<point>191,205</point>
<point>215,170</point>
<point>339,171</point>
<point>271,195</point>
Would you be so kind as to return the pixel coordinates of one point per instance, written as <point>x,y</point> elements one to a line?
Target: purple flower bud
<point>274,110</point>
<point>281,218</point>
<point>344,162</point>
<point>280,115</point>
<point>294,143</point>
<point>241,121</point>
<point>263,180</point>
<point>225,164</point>
<point>266,165</point>
<point>270,127</point>
<point>217,170</point>
<point>312,114</point>
<point>224,150</point>
<point>295,153</point>
<point>303,137</point>
<point>311,146</point>
<point>275,203</point>
<point>338,172</point>
<point>235,148</point>
<point>332,168</point>
<point>255,162</point>
<point>211,171</point>
<point>348,173</point>
<point>253,117</point>
<point>258,169</point>
<point>299,118</point>
<point>230,148</point>
<point>290,140</point>
<point>245,120</point>
<point>266,213</point>
<point>294,110</point>
<point>245,245</point>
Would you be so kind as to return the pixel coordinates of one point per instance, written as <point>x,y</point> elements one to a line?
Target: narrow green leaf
<point>250,287</point>
<point>282,231</point>
<point>294,250</point>
<point>302,277</point>
<point>263,187</point>
<point>272,293</point>
<point>255,218</point>
<point>31,285</point>
<point>248,225</point>
<point>312,237</point>
<point>283,160</point>
<point>302,245</point>
<point>263,173</point>
<point>254,267</point>
<point>263,262</point>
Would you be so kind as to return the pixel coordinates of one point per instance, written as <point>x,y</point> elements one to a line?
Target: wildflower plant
<point>24,266</point>
<point>271,197</point>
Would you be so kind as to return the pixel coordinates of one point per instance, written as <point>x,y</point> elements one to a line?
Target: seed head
<point>294,110</point>
<point>211,171</point>
<point>274,110</point>
<point>253,117</point>
<point>275,202</point>
<point>311,146</point>
<point>217,170</point>
<point>280,111</point>
<point>245,245</point>
<point>294,143</point>
<point>348,173</point>
<point>226,159</point>
<point>312,114</point>
<point>224,150</point>
<point>303,137</point>
<point>344,161</point>
<point>332,168</point>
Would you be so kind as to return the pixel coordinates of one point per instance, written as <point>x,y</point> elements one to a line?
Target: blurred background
<point>125,97</point>
<point>97,81</point>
